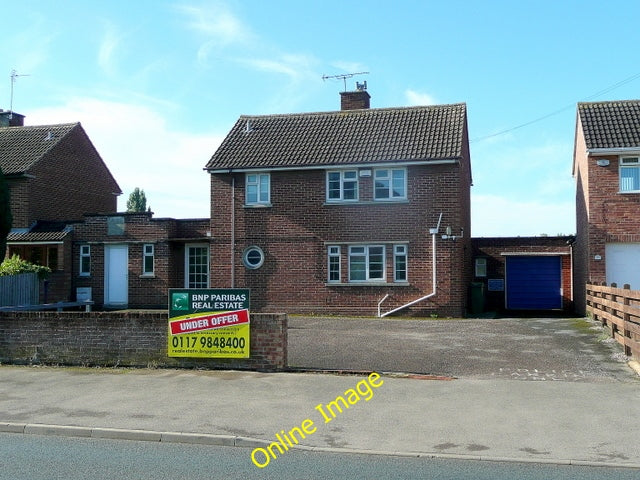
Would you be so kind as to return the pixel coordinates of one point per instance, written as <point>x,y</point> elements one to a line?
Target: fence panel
<point>619,310</point>
<point>22,289</point>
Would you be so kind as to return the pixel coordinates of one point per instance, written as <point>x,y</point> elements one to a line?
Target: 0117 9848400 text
<point>261,457</point>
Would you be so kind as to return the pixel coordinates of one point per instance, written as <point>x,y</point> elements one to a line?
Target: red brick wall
<point>295,231</point>
<point>125,339</point>
<point>71,180</point>
<point>19,198</point>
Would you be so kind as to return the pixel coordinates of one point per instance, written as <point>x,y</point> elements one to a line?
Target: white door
<point>622,261</point>
<point>116,275</point>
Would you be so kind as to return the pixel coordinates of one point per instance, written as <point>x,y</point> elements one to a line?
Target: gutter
<point>450,161</point>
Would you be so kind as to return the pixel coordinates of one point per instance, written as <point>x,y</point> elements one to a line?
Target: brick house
<point>130,260</point>
<point>55,175</point>
<point>606,166</point>
<point>523,273</point>
<point>345,212</point>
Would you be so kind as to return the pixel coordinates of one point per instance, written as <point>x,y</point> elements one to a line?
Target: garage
<point>622,260</point>
<point>533,282</point>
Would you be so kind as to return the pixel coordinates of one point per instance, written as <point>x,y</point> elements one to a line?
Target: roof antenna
<point>14,75</point>
<point>344,77</point>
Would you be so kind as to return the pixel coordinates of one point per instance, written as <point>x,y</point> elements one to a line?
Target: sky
<point>158,84</point>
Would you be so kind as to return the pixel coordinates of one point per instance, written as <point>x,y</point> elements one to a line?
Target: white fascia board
<point>338,166</point>
<point>614,151</point>
<point>533,254</point>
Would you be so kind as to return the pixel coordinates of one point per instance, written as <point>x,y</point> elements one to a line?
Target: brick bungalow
<point>359,211</point>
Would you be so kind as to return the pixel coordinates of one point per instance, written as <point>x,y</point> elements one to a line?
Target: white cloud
<point>417,98</point>
<point>216,24</point>
<point>496,216</point>
<point>108,45</point>
<point>141,150</point>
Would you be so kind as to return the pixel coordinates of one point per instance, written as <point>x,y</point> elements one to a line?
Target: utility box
<point>477,297</point>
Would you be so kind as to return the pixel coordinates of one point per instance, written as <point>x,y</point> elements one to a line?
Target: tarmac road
<point>566,349</point>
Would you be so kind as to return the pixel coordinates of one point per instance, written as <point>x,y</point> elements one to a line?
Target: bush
<point>16,265</point>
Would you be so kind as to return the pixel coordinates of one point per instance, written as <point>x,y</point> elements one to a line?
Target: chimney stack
<point>355,100</point>
<point>11,119</point>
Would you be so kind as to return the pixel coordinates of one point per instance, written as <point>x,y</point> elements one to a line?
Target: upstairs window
<point>630,174</point>
<point>390,184</point>
<point>342,186</point>
<point>258,189</point>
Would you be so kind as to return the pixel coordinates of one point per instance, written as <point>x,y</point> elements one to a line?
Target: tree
<point>6,219</point>
<point>137,201</point>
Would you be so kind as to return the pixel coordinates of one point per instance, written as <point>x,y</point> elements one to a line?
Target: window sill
<point>627,192</point>
<point>367,284</point>
<point>148,275</point>
<point>257,205</point>
<point>366,202</point>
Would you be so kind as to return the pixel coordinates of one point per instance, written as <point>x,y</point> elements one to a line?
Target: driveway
<point>536,349</point>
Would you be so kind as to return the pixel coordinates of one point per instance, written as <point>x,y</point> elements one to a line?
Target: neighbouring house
<point>359,211</point>
<point>130,260</point>
<point>606,166</point>
<point>522,273</point>
<point>55,175</point>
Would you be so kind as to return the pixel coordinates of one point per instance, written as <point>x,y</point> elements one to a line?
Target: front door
<point>116,275</point>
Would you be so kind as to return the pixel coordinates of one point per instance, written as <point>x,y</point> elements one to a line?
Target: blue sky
<point>158,84</point>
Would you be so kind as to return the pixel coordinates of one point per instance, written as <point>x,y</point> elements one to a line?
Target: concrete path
<point>489,418</point>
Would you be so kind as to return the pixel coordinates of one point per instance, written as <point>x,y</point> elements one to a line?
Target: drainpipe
<point>233,231</point>
<point>434,233</point>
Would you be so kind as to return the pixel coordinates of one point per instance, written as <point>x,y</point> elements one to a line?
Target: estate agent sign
<point>208,323</point>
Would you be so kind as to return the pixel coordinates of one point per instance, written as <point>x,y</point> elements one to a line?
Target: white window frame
<point>343,180</point>
<point>187,272</point>
<point>630,163</point>
<point>249,259</point>
<point>263,192</point>
<point>364,251</point>
<point>333,256</point>
<point>481,267</point>
<point>400,252</point>
<point>85,256</point>
<point>148,250</point>
<point>389,179</point>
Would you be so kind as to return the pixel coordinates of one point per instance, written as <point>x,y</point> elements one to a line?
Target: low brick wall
<point>136,339</point>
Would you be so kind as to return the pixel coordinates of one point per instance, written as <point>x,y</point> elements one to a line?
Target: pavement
<point>592,421</point>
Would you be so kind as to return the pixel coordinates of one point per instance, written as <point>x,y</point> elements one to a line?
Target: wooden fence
<point>22,289</point>
<point>619,310</point>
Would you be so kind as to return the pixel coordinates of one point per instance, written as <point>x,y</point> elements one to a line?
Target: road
<point>33,457</point>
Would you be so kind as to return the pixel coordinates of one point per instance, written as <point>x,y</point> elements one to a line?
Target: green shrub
<point>16,265</point>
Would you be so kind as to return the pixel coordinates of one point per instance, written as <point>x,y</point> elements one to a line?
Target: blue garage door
<point>534,283</point>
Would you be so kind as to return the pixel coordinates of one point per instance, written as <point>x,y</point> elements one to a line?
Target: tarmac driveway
<point>538,349</point>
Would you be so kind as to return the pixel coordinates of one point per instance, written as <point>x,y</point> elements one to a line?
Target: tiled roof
<point>22,147</point>
<point>611,124</point>
<point>344,137</point>
<point>43,231</point>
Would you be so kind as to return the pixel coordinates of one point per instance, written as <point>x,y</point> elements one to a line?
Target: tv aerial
<point>14,76</point>
<point>344,76</point>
